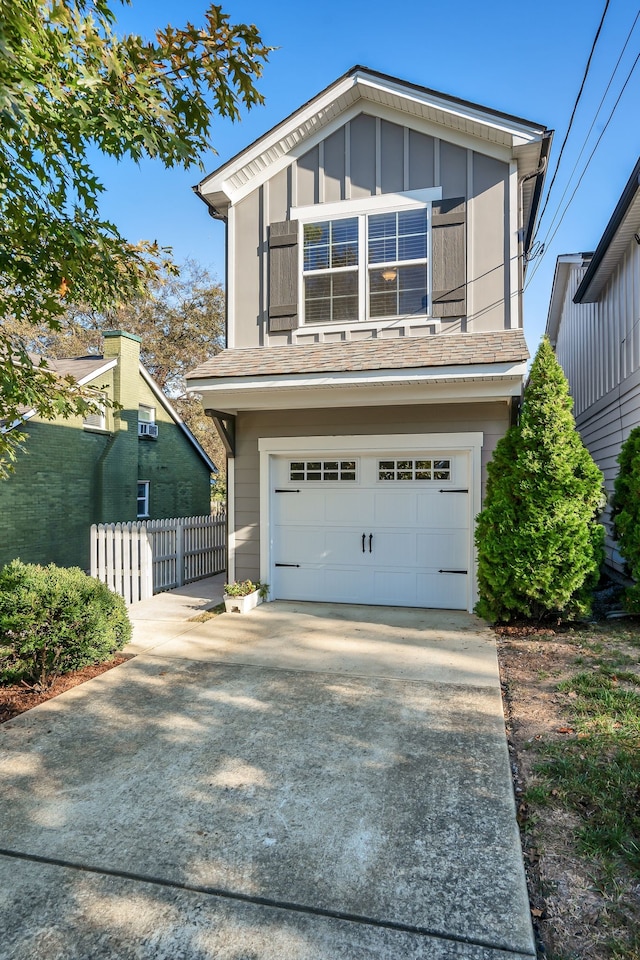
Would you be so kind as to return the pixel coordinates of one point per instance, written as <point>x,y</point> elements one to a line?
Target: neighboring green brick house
<point>138,462</point>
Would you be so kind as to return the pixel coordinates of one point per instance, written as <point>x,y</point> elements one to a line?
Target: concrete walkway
<point>307,782</point>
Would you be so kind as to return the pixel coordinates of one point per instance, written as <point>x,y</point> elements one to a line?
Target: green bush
<point>626,515</point>
<point>539,541</point>
<point>53,620</point>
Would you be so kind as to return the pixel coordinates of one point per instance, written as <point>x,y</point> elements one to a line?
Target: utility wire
<point>593,123</point>
<point>548,239</point>
<point>575,107</point>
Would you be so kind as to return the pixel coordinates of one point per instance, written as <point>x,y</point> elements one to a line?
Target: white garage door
<point>391,529</point>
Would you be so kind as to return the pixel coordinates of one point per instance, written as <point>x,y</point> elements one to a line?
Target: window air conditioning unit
<point>148,430</point>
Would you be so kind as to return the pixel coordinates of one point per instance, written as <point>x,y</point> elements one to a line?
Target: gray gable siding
<point>369,156</point>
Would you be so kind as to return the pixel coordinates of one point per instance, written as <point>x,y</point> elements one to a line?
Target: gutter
<point>545,148</point>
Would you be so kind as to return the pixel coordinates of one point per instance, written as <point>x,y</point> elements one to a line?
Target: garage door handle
<point>448,571</point>
<point>287,491</point>
<point>370,541</point>
<point>363,539</point>
<point>287,564</point>
<point>455,490</point>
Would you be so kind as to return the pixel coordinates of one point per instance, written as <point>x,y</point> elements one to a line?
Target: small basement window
<point>414,469</point>
<point>322,470</point>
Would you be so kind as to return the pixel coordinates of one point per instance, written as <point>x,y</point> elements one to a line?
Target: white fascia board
<point>558,293</point>
<point>276,149</point>
<point>332,391</point>
<point>98,373</point>
<point>157,392</point>
<point>81,383</point>
<point>523,131</point>
<point>233,193</point>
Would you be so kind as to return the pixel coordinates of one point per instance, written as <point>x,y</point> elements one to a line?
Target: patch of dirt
<point>19,697</point>
<point>573,918</point>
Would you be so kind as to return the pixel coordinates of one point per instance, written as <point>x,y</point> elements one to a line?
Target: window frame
<point>145,500</point>
<point>152,413</point>
<point>362,209</point>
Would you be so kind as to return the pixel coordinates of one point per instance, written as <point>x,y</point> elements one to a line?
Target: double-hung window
<point>371,266</point>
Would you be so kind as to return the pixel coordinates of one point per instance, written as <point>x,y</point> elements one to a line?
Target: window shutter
<point>449,257</point>
<point>283,275</point>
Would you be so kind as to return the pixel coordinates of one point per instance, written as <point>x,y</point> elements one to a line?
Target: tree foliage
<point>180,321</point>
<point>70,84</point>
<point>626,514</point>
<point>538,538</point>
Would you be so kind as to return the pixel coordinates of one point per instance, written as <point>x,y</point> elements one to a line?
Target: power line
<point>586,167</point>
<point>593,123</point>
<point>575,107</point>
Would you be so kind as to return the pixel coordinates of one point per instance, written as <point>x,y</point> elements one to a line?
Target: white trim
<point>231,519</point>
<point>411,199</point>
<point>345,99</point>
<point>514,293</point>
<point>28,414</point>
<point>231,277</point>
<point>470,443</point>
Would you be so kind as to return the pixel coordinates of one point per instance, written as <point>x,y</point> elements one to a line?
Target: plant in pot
<point>243,595</point>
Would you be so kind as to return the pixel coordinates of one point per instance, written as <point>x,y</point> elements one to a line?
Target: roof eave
<point>624,222</point>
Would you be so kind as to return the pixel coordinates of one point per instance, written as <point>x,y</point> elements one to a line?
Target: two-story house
<point>137,460</point>
<point>375,353</point>
<point>594,327</point>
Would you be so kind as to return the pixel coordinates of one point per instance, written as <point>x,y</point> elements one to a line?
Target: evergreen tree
<point>626,514</point>
<point>539,542</point>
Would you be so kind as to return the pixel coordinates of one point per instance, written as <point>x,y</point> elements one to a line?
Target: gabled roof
<point>565,264</point>
<point>85,369</point>
<point>360,90</point>
<point>623,225</point>
<point>502,346</point>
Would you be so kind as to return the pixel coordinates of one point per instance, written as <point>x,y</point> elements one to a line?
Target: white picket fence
<point>145,557</point>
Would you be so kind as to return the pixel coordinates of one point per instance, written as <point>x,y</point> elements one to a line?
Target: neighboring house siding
<point>368,157</point>
<point>492,419</point>
<point>47,504</point>
<point>69,477</point>
<point>598,347</point>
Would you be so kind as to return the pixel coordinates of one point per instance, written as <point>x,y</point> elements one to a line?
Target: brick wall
<point>69,477</point>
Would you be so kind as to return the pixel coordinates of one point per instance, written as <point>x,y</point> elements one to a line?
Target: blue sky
<point>522,59</point>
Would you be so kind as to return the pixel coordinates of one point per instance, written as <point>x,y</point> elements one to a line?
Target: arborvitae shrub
<point>538,538</point>
<point>626,514</point>
<point>53,620</point>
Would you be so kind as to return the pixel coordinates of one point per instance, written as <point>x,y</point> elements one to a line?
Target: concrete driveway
<point>307,782</point>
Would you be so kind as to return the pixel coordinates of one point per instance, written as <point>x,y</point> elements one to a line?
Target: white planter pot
<point>242,604</point>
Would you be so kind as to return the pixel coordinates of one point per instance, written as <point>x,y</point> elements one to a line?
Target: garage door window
<point>323,470</point>
<point>414,469</point>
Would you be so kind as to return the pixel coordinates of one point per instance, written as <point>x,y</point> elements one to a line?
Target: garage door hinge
<point>442,571</point>
<point>287,564</point>
<point>287,491</point>
<point>455,490</point>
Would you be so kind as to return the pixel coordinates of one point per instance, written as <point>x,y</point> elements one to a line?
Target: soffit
<point>363,87</point>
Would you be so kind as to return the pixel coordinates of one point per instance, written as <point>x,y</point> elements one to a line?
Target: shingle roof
<point>500,346</point>
<point>77,367</point>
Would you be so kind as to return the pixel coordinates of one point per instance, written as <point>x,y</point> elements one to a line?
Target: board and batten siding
<point>598,347</point>
<point>492,419</point>
<point>367,157</point>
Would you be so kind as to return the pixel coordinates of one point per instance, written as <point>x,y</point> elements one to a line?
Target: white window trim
<point>152,413</point>
<point>362,208</point>
<point>102,413</point>
<point>353,446</point>
<point>145,515</point>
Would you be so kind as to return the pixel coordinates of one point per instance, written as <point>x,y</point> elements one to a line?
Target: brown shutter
<point>449,257</point>
<point>283,275</point>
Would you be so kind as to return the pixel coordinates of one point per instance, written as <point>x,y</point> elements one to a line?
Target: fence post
<point>180,553</point>
<point>146,563</point>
